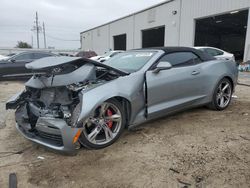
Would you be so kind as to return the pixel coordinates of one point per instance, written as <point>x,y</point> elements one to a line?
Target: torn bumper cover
<point>53,133</point>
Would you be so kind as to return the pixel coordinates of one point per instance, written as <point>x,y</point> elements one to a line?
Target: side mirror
<point>164,65</point>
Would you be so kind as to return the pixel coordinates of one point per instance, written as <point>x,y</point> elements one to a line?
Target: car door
<point>15,66</point>
<point>176,88</point>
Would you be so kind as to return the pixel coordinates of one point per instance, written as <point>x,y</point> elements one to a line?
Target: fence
<point>6,51</point>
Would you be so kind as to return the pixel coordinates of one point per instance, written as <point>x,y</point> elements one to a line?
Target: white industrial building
<point>220,23</point>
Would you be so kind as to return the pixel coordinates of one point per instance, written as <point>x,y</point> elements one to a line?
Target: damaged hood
<point>49,63</point>
<point>62,71</point>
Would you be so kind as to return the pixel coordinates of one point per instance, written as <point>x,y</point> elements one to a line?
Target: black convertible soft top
<point>204,56</point>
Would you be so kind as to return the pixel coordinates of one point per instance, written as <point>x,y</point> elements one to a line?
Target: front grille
<point>50,138</point>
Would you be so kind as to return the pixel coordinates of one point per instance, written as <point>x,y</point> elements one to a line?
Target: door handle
<point>195,72</point>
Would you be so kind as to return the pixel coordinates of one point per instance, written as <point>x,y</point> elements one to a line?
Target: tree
<point>21,44</point>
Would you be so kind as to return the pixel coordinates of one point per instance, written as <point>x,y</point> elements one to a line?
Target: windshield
<point>130,61</point>
<point>11,56</point>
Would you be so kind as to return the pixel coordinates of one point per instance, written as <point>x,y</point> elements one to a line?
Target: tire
<point>217,102</point>
<point>110,116</point>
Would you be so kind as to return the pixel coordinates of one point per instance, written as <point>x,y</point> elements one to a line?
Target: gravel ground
<point>244,78</point>
<point>196,148</point>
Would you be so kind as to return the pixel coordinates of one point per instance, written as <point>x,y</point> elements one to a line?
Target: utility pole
<point>44,36</point>
<point>32,40</point>
<point>37,30</point>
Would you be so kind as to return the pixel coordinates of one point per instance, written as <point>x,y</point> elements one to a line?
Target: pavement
<point>16,86</point>
<point>244,78</point>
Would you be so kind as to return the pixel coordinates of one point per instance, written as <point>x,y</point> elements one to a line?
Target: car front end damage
<point>46,120</point>
<point>47,111</point>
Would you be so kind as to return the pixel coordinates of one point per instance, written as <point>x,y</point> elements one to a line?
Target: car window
<point>88,54</point>
<point>84,54</point>
<point>41,55</point>
<point>93,54</point>
<point>80,54</point>
<point>213,52</point>
<point>23,57</point>
<point>181,59</point>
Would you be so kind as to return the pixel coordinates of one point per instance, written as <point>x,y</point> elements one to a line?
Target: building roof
<point>157,5</point>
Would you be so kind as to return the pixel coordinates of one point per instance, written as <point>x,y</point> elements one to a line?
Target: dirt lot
<point>197,148</point>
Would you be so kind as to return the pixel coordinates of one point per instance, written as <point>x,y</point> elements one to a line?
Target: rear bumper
<point>51,133</point>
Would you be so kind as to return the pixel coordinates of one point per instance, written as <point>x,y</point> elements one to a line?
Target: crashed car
<point>73,101</point>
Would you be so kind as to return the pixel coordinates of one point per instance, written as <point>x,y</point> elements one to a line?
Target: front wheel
<point>104,127</point>
<point>222,95</point>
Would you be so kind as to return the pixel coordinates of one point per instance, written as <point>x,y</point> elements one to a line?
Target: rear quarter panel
<point>215,71</point>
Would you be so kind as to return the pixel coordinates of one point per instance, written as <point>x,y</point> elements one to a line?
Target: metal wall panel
<point>194,9</point>
<point>164,15</point>
<point>177,16</point>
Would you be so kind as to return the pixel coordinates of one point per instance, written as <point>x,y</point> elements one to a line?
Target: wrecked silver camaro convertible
<point>71,101</point>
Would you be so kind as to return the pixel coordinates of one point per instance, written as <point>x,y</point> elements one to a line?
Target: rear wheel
<point>222,95</point>
<point>104,127</point>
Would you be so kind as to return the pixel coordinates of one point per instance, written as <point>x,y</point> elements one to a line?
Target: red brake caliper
<point>110,123</point>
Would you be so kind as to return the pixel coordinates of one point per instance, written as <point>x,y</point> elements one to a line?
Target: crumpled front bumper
<point>52,133</point>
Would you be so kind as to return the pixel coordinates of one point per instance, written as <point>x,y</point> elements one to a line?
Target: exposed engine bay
<point>48,110</point>
<point>50,102</point>
<point>55,92</point>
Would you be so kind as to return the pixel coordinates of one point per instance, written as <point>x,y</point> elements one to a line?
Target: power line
<point>12,25</point>
<point>38,29</point>
<point>14,28</point>
<point>50,28</point>
<point>56,38</point>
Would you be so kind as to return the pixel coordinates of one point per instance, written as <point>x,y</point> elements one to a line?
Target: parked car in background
<point>106,56</point>
<point>86,54</point>
<point>11,54</point>
<point>66,54</point>
<point>2,57</point>
<point>14,66</point>
<point>79,101</point>
<point>217,53</point>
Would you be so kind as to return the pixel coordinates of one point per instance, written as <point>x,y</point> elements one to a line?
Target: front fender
<point>95,97</point>
<point>123,87</point>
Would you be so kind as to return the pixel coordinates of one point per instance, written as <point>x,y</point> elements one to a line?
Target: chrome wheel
<point>224,93</point>
<point>104,125</point>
